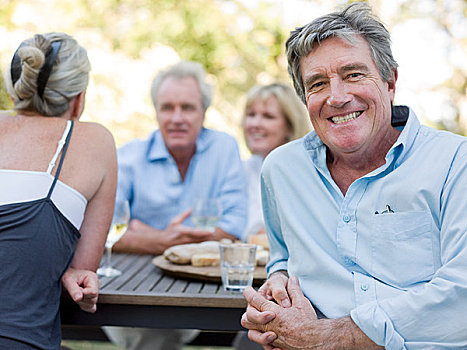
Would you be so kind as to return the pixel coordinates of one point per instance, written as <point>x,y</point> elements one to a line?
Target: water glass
<point>206,213</point>
<point>238,261</point>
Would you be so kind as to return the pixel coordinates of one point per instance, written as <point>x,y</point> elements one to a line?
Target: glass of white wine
<point>120,222</point>
<point>206,213</point>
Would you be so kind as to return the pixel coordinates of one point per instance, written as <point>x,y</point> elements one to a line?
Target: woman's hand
<point>83,287</point>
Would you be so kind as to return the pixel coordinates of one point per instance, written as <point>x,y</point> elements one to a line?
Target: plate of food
<point>201,261</point>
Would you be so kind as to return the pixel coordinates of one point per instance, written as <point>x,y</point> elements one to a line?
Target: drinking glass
<point>206,213</point>
<point>119,226</point>
<point>238,262</point>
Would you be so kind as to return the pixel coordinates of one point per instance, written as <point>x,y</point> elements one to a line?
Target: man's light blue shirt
<point>401,274</point>
<point>149,179</point>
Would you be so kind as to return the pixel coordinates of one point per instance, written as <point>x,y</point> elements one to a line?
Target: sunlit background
<point>241,43</point>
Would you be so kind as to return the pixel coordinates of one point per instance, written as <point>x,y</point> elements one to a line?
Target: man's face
<point>180,113</point>
<point>348,102</point>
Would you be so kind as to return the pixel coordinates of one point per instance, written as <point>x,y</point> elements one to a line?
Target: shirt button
<point>346,218</point>
<point>364,287</point>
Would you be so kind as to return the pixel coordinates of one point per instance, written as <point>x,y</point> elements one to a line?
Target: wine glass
<point>206,213</point>
<point>119,225</point>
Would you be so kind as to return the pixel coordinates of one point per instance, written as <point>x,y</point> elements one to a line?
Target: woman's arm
<point>100,207</point>
<point>80,280</point>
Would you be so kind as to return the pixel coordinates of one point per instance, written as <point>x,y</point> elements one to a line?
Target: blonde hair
<point>291,106</point>
<point>69,75</point>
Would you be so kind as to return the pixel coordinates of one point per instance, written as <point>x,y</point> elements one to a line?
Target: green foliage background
<point>240,43</point>
<point>201,31</point>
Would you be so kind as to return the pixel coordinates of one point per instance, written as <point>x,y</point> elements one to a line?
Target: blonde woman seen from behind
<point>57,191</point>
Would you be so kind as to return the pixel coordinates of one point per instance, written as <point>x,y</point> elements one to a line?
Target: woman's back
<point>57,192</point>
<point>36,245</point>
<point>28,143</point>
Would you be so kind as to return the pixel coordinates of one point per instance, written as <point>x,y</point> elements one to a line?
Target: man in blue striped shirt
<point>178,163</point>
<point>162,176</point>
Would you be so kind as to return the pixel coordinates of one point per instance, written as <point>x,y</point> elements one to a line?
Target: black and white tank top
<point>38,235</point>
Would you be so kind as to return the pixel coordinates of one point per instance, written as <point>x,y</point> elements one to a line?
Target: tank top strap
<point>62,144</point>
<point>59,147</point>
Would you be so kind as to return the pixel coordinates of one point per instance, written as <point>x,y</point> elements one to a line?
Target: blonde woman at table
<point>273,116</point>
<point>57,190</point>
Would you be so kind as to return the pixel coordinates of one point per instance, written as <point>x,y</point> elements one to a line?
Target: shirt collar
<point>409,130</point>
<point>313,143</point>
<point>157,149</point>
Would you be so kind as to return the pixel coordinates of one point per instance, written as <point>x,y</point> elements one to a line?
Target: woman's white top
<point>22,185</point>
<point>255,211</point>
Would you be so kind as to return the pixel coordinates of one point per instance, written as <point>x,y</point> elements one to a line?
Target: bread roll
<point>181,254</point>
<point>262,257</point>
<point>205,260</point>
<point>259,239</point>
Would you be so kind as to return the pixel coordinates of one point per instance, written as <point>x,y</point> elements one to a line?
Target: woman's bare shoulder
<point>93,128</point>
<point>95,142</point>
<point>94,133</point>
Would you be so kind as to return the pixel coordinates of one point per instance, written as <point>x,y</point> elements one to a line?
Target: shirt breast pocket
<point>402,248</point>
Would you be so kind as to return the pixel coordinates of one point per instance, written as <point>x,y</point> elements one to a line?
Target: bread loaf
<point>181,254</point>
<point>259,239</point>
<point>262,257</point>
<point>205,260</point>
<point>205,254</point>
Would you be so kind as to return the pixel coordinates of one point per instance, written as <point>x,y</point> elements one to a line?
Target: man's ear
<point>392,84</point>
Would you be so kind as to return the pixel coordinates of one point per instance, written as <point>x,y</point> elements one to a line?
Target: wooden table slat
<point>194,287</point>
<point>124,263</point>
<point>140,275</point>
<point>179,286</point>
<point>163,284</point>
<point>210,288</point>
<point>151,277</point>
<point>228,293</point>
<point>175,299</point>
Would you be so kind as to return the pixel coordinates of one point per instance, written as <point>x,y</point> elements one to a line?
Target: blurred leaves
<point>234,43</point>
<point>6,9</point>
<point>199,30</point>
<point>239,42</point>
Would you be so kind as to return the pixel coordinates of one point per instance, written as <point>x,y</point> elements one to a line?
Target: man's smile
<point>345,118</point>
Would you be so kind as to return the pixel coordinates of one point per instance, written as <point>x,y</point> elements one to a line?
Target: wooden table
<point>143,296</point>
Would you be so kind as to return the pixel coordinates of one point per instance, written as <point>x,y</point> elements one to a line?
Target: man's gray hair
<point>355,19</point>
<point>185,69</point>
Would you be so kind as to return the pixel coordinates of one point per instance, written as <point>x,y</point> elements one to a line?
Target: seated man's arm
<point>219,234</point>
<point>297,326</point>
<point>144,239</point>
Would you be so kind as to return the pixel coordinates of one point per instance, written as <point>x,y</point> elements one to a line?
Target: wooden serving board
<point>205,273</point>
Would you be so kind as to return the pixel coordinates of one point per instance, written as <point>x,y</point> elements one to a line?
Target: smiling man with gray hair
<point>367,213</point>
